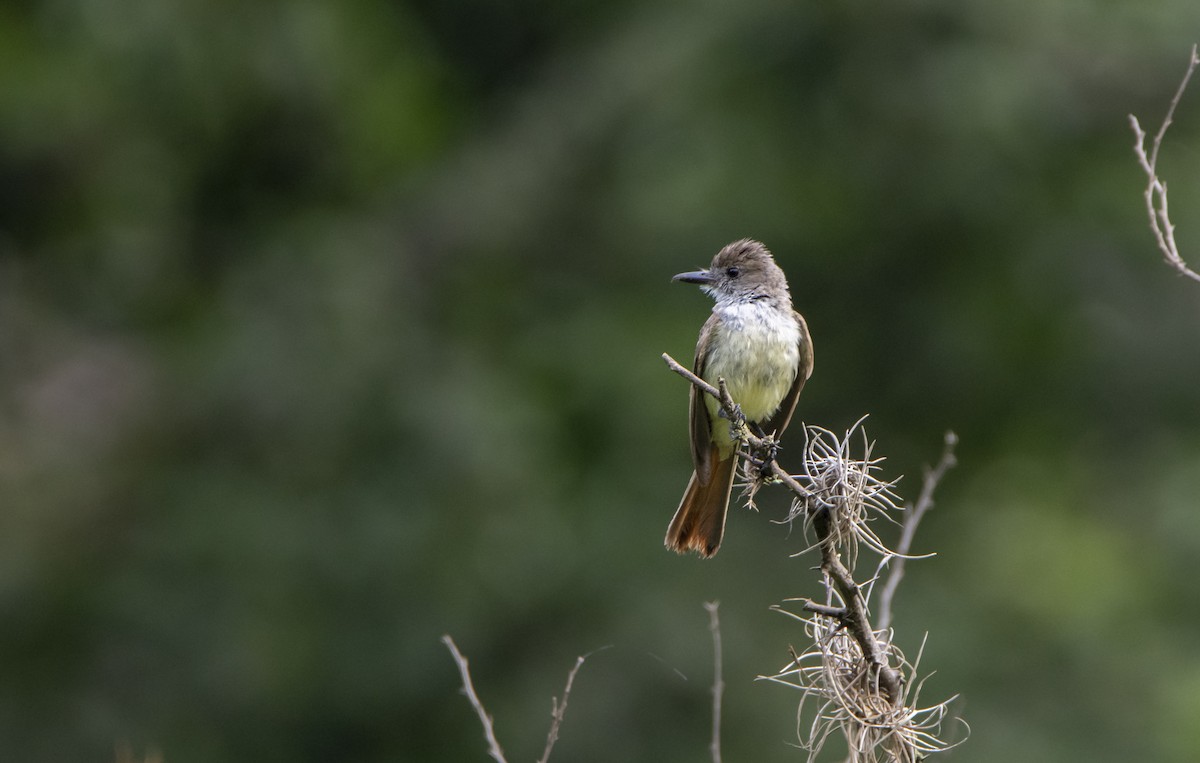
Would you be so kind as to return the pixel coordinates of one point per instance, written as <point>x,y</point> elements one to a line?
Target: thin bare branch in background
<point>1156,189</point>
<point>559,709</point>
<point>909,529</point>
<point>469,689</point>
<point>718,688</point>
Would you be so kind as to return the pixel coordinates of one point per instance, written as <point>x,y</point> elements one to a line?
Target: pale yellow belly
<point>757,354</point>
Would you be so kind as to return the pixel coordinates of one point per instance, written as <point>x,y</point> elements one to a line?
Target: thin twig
<point>559,709</point>
<point>469,689</point>
<point>1156,190</point>
<point>909,529</point>
<point>718,688</point>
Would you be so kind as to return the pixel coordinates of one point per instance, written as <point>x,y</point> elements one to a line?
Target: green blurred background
<point>327,328</point>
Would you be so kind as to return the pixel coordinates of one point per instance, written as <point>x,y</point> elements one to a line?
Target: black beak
<point>696,276</point>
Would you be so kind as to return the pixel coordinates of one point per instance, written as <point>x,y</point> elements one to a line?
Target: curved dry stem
<point>1155,194</point>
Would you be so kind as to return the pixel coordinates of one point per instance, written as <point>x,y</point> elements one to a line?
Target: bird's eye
<point>732,272</point>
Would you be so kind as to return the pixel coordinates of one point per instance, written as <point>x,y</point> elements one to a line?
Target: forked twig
<point>1156,190</point>
<point>909,529</point>
<point>557,708</point>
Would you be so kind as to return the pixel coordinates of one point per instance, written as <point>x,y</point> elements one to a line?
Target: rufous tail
<point>699,522</point>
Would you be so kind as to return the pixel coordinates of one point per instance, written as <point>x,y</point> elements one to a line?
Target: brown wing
<point>699,426</point>
<point>804,368</point>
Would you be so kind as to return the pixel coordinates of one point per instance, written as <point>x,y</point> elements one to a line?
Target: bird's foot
<point>764,456</point>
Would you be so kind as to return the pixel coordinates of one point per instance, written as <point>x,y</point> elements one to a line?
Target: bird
<point>760,345</point>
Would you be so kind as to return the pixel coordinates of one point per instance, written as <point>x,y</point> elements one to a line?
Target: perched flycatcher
<point>760,346</point>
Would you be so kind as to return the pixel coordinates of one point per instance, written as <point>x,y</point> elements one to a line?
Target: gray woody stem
<point>1156,190</point>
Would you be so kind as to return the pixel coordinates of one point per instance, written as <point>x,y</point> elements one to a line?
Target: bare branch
<point>469,689</point>
<point>909,529</point>
<point>696,381</point>
<point>559,709</point>
<point>1156,190</point>
<point>718,688</point>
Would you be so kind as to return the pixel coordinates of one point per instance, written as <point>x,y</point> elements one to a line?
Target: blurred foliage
<point>329,328</point>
